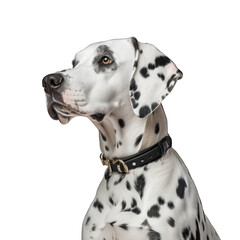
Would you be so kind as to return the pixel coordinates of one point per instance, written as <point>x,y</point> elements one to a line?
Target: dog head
<point>109,75</point>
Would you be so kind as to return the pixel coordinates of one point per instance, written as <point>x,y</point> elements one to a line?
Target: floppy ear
<point>153,79</point>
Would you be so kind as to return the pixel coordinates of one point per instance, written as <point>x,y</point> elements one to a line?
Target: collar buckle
<point>106,162</point>
<point>120,164</point>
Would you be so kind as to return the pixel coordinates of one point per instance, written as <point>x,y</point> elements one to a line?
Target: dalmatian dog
<point>120,85</point>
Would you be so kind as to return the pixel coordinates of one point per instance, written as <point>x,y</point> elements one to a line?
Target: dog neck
<point>122,133</point>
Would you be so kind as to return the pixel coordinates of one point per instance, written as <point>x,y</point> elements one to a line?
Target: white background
<point>49,172</point>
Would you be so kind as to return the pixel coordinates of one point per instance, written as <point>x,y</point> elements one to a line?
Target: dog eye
<point>106,60</point>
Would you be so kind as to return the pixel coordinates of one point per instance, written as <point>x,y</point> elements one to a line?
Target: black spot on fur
<point>133,208</point>
<point>151,66</point>
<point>111,201</point>
<point>75,63</point>
<point>160,75</point>
<point>127,210</point>
<point>171,222</point>
<point>198,212</point>
<point>98,116</point>
<point>204,217</point>
<point>119,144</point>
<point>137,95</point>
<point>107,176</point>
<point>181,188</point>
<point>138,140</point>
<point>185,233</point>
<point>135,64</point>
<point>144,72</point>
<point>163,97</point>
<point>141,51</point>
<point>124,226</point>
<point>171,83</point>
<point>133,85</point>
<point>120,179</point>
<point>203,226</point>
<point>144,111</point>
<point>140,185</point>
<point>153,235</point>
<point>171,205</point>
<point>134,103</point>
<point>154,105</point>
<point>93,227</point>
<point>112,223</point>
<point>103,137</point>
<point>87,221</point>
<point>207,237</point>
<point>161,201</point>
<point>192,237</point>
<point>198,236</point>
<point>97,204</point>
<point>123,205</point>
<point>136,210</point>
<point>106,148</point>
<point>121,123</point>
<point>154,211</point>
<point>146,223</point>
<point>128,185</point>
<point>157,128</point>
<point>134,203</point>
<point>162,61</point>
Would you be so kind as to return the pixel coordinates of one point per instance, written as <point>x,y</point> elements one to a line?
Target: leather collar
<point>139,159</point>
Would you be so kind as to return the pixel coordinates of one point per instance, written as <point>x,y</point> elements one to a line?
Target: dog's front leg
<point>94,224</point>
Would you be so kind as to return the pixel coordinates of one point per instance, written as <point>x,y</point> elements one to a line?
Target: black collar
<point>139,159</point>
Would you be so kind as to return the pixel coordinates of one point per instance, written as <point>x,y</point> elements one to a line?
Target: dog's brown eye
<point>106,60</point>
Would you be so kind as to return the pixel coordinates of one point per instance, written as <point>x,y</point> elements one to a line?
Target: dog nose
<point>51,82</point>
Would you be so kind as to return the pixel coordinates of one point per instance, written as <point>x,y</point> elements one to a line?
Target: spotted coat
<point>123,99</point>
<point>165,206</point>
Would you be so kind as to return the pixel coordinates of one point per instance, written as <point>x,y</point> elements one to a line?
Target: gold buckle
<point>120,162</point>
<point>105,161</point>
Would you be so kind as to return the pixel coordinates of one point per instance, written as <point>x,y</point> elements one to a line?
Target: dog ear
<point>154,76</point>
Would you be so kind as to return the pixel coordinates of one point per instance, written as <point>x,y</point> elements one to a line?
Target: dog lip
<point>52,112</point>
<point>64,113</point>
<point>61,112</point>
<point>66,110</point>
<point>55,114</point>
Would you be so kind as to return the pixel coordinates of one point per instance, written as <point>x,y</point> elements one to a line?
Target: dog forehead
<point>117,47</point>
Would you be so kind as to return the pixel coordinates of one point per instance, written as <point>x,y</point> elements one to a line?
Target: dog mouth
<point>61,112</point>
